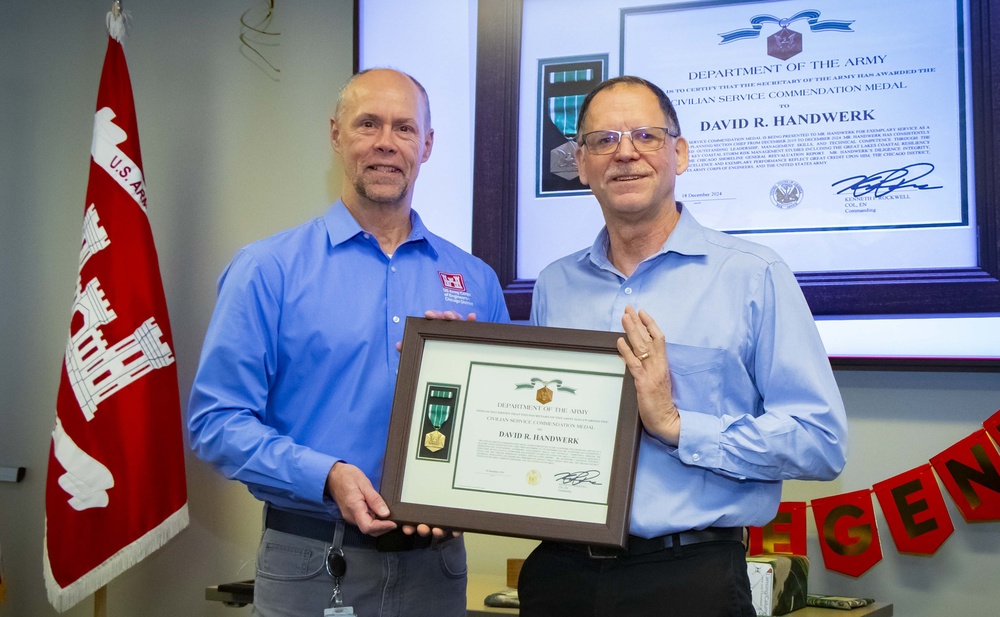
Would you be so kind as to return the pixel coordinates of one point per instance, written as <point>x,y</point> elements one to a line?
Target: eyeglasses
<point>644,139</point>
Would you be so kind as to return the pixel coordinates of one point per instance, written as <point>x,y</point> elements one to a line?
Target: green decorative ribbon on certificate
<point>544,395</point>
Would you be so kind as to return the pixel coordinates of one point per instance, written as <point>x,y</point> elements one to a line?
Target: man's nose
<point>626,148</point>
<point>385,140</point>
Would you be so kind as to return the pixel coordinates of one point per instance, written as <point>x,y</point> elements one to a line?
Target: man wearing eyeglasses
<point>735,389</point>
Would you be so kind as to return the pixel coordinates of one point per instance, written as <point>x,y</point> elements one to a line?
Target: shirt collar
<point>341,227</point>
<point>687,238</point>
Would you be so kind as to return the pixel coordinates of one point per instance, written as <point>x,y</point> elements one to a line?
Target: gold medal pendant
<point>544,395</point>
<point>434,440</point>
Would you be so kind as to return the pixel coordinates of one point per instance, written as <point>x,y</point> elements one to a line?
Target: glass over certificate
<point>512,430</point>
<point>835,132</point>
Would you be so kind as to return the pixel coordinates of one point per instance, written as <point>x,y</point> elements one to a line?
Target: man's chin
<point>382,193</point>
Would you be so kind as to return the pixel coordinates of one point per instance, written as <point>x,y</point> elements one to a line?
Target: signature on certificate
<point>578,477</point>
<point>885,182</point>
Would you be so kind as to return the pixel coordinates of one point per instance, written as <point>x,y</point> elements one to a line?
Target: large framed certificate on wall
<point>836,136</point>
<point>858,139</point>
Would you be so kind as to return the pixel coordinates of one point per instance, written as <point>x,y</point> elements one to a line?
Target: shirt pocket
<point>696,377</point>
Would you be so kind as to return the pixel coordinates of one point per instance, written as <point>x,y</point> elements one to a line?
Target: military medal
<point>563,112</point>
<point>544,394</point>
<point>562,161</point>
<point>438,415</point>
<point>784,43</point>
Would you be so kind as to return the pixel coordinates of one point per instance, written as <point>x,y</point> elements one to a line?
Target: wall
<point>231,155</point>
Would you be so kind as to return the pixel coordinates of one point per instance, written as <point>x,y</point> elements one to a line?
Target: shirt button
<point>628,290</point>
<point>696,457</point>
<point>392,268</point>
<point>395,319</point>
<point>367,236</point>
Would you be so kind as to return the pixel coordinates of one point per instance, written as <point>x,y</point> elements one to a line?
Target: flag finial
<point>116,21</point>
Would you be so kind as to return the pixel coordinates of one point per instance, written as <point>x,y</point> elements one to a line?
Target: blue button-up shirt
<point>757,397</point>
<point>299,362</point>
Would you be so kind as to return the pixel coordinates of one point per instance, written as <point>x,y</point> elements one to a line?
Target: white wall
<point>436,43</point>
<point>232,155</point>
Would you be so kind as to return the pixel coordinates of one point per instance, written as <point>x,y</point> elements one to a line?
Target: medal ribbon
<point>438,414</point>
<point>560,77</point>
<point>564,111</point>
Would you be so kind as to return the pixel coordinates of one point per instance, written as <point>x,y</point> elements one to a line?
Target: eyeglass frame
<point>583,139</point>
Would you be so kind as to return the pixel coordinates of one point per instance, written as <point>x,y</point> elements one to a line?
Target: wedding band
<point>643,356</point>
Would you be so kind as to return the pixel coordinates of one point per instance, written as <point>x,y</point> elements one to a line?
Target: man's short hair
<point>630,80</point>
<point>420,87</point>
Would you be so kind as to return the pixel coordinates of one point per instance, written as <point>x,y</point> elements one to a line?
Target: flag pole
<point>116,22</point>
<point>115,27</point>
<point>101,595</point>
<point>101,601</point>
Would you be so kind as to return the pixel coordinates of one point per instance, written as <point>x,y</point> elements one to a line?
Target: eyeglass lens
<point>644,139</point>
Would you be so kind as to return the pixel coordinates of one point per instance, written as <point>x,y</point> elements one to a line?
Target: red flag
<point>992,426</point>
<point>915,510</point>
<point>970,470</point>
<point>116,487</point>
<point>848,536</point>
<point>785,534</point>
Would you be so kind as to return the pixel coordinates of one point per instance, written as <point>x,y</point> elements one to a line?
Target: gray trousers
<point>292,580</point>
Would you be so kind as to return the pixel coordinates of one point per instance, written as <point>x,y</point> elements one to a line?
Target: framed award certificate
<point>512,430</point>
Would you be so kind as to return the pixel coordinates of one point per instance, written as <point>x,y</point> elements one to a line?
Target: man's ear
<point>428,145</point>
<point>335,135</point>
<point>681,150</point>
<point>580,155</point>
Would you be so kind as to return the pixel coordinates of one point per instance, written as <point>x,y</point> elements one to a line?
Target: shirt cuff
<point>315,468</point>
<point>700,438</point>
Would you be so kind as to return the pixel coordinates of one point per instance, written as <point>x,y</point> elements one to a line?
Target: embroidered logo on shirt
<point>452,281</point>
<point>454,289</point>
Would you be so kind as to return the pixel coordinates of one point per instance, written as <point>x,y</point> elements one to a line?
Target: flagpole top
<point>116,21</point>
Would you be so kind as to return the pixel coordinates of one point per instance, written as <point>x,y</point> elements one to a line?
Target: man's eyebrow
<point>366,117</point>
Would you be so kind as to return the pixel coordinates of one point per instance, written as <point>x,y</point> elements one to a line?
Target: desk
<point>480,586</point>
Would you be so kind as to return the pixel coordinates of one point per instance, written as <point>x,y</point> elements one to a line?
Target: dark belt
<point>322,529</point>
<point>643,546</point>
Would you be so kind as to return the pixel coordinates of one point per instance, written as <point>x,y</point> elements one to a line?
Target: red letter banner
<point>785,534</point>
<point>116,489</point>
<point>969,472</point>
<point>915,510</point>
<point>847,533</point>
<point>992,426</point>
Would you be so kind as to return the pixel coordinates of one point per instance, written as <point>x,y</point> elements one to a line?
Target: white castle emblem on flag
<point>97,371</point>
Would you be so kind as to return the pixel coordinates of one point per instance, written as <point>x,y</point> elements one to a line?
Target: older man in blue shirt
<point>735,389</point>
<point>294,389</point>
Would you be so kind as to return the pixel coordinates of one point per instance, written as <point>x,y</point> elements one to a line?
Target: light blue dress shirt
<point>299,362</point>
<point>757,397</point>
